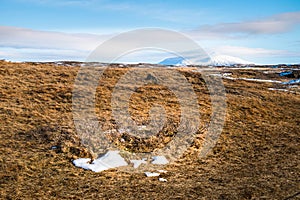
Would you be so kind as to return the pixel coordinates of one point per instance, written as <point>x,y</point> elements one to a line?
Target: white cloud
<point>275,24</point>
<point>252,52</point>
<point>27,38</point>
<point>145,56</point>
<point>28,54</point>
<point>26,44</point>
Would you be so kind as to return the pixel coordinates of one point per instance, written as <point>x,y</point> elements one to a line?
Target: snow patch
<point>111,159</point>
<point>159,160</point>
<point>228,76</point>
<point>277,89</point>
<point>141,128</point>
<point>82,162</point>
<point>162,179</point>
<point>259,80</point>
<point>296,81</point>
<point>151,174</point>
<point>162,171</point>
<point>286,73</point>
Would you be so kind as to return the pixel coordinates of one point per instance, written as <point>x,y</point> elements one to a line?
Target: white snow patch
<point>92,64</point>
<point>282,90</point>
<point>269,72</point>
<point>276,89</point>
<point>228,76</point>
<point>162,179</point>
<point>296,81</point>
<point>292,86</point>
<point>137,163</point>
<point>111,159</point>
<point>162,171</point>
<point>259,80</point>
<point>82,162</point>
<point>159,160</point>
<point>143,127</point>
<point>151,174</point>
<point>59,63</point>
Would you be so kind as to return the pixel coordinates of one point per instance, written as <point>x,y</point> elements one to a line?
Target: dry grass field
<point>256,156</point>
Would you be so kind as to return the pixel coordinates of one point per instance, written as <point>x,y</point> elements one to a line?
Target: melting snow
<point>282,90</point>
<point>137,163</point>
<point>162,171</point>
<point>159,160</point>
<point>140,128</point>
<point>111,159</point>
<point>228,76</point>
<point>151,174</point>
<point>292,82</point>
<point>286,73</point>
<point>276,89</point>
<point>259,80</point>
<point>162,179</point>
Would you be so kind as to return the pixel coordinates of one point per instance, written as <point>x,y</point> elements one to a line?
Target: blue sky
<point>260,31</point>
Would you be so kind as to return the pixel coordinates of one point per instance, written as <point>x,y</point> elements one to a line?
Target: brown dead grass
<point>257,155</point>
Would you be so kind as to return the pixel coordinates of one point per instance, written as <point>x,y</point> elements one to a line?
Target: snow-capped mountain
<point>213,60</point>
<point>224,60</point>
<point>173,61</point>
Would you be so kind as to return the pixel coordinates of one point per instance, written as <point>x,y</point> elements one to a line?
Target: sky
<point>259,31</point>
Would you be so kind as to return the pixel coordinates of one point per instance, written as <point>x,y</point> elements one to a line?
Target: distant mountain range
<point>213,60</point>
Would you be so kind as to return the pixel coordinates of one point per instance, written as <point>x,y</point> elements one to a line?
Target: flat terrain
<point>256,156</point>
